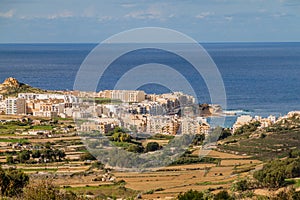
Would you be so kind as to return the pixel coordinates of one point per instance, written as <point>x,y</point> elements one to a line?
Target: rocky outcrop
<point>209,109</point>
<point>11,87</point>
<point>11,82</point>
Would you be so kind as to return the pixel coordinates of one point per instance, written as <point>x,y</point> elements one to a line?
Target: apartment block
<point>128,96</point>
<point>11,106</point>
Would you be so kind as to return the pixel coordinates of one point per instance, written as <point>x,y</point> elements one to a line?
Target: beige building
<point>162,125</point>
<point>241,120</point>
<point>21,106</point>
<point>194,126</point>
<point>103,125</point>
<point>128,96</point>
<point>135,122</point>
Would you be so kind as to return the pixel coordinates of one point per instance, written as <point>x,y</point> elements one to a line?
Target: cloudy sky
<point>94,20</point>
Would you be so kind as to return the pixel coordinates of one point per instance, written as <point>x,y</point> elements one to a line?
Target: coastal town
<point>171,113</point>
<point>44,134</point>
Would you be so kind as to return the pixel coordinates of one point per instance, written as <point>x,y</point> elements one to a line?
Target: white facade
<point>11,106</point>
<point>33,96</point>
<point>241,120</point>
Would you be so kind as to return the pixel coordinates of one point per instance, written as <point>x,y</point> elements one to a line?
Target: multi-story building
<point>134,122</point>
<point>11,106</point>
<point>2,107</point>
<point>34,96</point>
<point>21,106</point>
<point>162,125</point>
<point>189,126</point>
<point>101,125</point>
<point>127,96</point>
<point>241,120</point>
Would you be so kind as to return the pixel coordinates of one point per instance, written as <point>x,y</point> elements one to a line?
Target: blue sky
<point>204,20</point>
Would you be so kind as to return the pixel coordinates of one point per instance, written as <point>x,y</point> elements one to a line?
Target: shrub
<point>274,173</point>
<point>9,159</point>
<point>87,156</point>
<point>223,195</point>
<point>12,181</point>
<point>241,185</point>
<point>46,190</point>
<point>152,146</point>
<point>191,195</point>
<point>136,148</point>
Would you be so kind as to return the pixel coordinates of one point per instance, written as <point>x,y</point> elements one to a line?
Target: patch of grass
<point>296,182</point>
<point>193,160</point>
<point>161,137</point>
<point>122,144</point>
<point>109,190</point>
<point>214,183</point>
<point>39,170</point>
<point>42,127</point>
<point>14,140</point>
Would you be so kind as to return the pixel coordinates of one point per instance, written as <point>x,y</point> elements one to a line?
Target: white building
<point>34,96</point>
<point>2,107</point>
<point>240,121</point>
<point>11,106</point>
<point>124,95</point>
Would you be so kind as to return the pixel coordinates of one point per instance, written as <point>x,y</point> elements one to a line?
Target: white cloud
<point>228,18</point>
<point>204,15</point>
<point>63,14</point>
<point>277,15</point>
<point>128,5</point>
<point>89,12</point>
<point>154,11</point>
<point>8,14</point>
<point>105,18</point>
<point>144,14</point>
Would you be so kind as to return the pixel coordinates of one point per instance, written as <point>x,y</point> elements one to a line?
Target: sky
<point>92,21</point>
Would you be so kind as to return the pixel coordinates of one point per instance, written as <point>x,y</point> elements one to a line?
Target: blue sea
<point>259,78</point>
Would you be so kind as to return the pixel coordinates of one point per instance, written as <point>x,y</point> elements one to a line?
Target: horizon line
<point>212,42</point>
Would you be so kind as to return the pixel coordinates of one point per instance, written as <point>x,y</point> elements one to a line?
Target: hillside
<point>11,87</point>
<point>266,143</point>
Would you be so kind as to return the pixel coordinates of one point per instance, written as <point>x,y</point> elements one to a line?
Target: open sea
<point>259,78</point>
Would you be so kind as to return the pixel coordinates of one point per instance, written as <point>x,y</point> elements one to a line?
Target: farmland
<point>218,170</point>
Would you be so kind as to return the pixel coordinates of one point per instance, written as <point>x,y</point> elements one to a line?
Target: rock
<point>11,82</point>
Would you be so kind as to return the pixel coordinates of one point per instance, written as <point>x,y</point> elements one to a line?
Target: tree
<point>121,137</point>
<point>136,148</point>
<point>48,154</point>
<point>294,153</point>
<point>24,156</point>
<point>9,159</point>
<point>224,133</point>
<point>191,195</point>
<point>12,181</point>
<point>248,128</point>
<point>198,139</point>
<point>36,154</point>
<point>241,185</point>
<point>287,194</point>
<point>223,195</point>
<point>274,173</point>
<point>87,156</point>
<point>152,146</point>
<point>59,154</point>
<point>45,189</point>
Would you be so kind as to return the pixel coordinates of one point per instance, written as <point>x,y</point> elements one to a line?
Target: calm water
<point>263,78</point>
